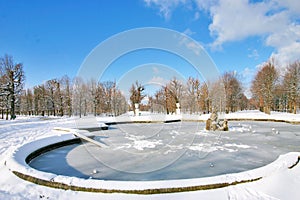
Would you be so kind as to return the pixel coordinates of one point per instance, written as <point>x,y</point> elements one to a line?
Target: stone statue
<point>213,123</point>
<point>208,124</point>
<point>224,126</point>
<point>214,116</point>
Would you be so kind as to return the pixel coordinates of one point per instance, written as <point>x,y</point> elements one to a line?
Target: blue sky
<point>53,37</point>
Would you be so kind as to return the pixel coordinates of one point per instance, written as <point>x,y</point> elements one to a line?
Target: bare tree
<point>136,94</point>
<point>243,102</point>
<point>192,97</point>
<point>291,84</point>
<point>40,100</point>
<point>158,101</point>
<point>106,90</point>
<point>51,88</point>
<point>204,100</point>
<point>59,98</point>
<point>93,93</point>
<point>118,101</point>
<point>217,96</point>
<point>103,97</point>
<point>233,91</point>
<point>263,86</point>
<point>65,85</point>
<point>14,80</point>
<point>4,95</point>
<point>173,93</point>
<point>79,97</point>
<point>280,98</point>
<point>26,105</point>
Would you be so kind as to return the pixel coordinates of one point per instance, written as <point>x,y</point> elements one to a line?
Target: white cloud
<point>237,20</point>
<point>195,47</point>
<point>155,70</point>
<point>276,21</point>
<point>157,80</point>
<point>288,34</point>
<point>196,16</point>
<point>205,4</point>
<point>287,44</point>
<point>273,20</point>
<point>192,45</point>
<point>165,6</point>
<point>287,54</point>
<point>291,5</point>
<point>188,32</point>
<point>254,54</point>
<point>247,72</point>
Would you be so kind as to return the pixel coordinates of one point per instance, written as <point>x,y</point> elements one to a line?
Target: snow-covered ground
<point>250,114</point>
<point>278,181</point>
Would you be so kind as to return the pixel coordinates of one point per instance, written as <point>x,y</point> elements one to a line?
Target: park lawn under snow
<point>250,114</point>
<point>282,183</point>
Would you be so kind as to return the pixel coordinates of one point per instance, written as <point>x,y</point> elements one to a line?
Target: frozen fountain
<point>152,157</point>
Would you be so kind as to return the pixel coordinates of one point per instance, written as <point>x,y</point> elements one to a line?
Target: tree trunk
<point>61,110</point>
<point>54,111</point>
<point>12,107</point>
<point>80,107</point>
<point>85,108</point>
<point>70,110</point>
<point>7,111</point>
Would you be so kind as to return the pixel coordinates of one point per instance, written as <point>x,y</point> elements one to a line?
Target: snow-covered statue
<point>213,123</point>
<point>208,124</point>
<point>224,126</point>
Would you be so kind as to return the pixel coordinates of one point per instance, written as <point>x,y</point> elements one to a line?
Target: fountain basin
<point>18,163</point>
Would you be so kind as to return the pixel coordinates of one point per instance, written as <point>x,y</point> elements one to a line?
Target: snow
<point>20,137</point>
<point>249,115</point>
<point>142,117</point>
<point>255,114</point>
<point>142,144</point>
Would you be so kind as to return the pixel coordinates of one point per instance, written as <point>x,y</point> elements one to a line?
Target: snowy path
<point>16,133</point>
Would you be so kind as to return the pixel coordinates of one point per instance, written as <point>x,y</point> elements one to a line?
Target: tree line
<point>67,97</point>
<point>196,97</point>
<point>273,91</point>
<point>56,97</point>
